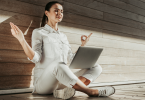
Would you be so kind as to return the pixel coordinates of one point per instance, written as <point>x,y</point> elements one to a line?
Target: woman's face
<point>55,13</point>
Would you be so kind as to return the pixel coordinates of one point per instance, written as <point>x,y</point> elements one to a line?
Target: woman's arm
<point>33,54</point>
<point>27,49</point>
<point>84,41</point>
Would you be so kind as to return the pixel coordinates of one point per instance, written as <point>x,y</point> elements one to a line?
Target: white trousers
<point>60,76</point>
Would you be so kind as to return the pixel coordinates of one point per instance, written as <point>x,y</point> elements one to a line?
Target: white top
<point>48,45</point>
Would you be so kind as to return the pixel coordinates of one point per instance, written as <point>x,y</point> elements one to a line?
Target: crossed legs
<point>84,80</point>
<point>62,74</point>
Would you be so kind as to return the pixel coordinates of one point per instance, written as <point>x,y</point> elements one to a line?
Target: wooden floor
<point>123,92</point>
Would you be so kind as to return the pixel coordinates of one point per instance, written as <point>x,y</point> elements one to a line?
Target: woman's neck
<point>53,25</point>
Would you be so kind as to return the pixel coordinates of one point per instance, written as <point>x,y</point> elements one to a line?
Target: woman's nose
<point>59,13</point>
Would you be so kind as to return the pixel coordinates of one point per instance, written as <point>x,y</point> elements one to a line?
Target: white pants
<point>61,76</point>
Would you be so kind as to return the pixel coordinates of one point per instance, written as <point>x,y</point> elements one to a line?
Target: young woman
<point>51,52</point>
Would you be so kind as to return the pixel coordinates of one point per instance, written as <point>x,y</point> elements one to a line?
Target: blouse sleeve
<point>70,55</point>
<point>36,46</point>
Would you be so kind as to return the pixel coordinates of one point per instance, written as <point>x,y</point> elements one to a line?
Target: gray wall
<point>117,25</point>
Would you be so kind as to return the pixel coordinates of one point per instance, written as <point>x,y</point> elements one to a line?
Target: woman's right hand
<point>16,32</point>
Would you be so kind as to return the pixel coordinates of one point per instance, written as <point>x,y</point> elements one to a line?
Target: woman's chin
<point>59,20</point>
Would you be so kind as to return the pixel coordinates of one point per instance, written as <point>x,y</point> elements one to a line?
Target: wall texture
<point>117,25</point>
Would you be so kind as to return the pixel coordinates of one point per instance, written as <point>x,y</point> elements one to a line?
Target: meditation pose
<point>51,52</point>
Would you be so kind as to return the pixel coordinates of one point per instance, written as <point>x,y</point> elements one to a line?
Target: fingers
<point>83,36</point>
<point>86,36</point>
<point>12,26</point>
<point>12,31</point>
<point>90,34</point>
<point>16,29</point>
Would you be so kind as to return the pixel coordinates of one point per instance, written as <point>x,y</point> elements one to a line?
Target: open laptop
<point>85,57</point>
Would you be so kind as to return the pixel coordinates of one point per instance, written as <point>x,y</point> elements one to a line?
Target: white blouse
<point>49,45</point>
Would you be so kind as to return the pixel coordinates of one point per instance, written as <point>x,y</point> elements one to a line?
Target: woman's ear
<point>46,13</point>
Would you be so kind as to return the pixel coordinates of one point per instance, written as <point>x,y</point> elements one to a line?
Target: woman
<point>50,52</point>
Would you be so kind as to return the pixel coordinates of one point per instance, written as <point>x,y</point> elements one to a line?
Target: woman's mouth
<point>59,17</point>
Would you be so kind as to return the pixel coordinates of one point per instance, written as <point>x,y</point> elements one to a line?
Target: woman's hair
<point>47,7</point>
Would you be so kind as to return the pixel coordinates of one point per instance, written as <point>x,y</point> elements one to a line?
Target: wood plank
<point>18,19</point>
<point>142,0</point>
<point>9,69</point>
<point>69,16</point>
<point>117,86</point>
<point>76,19</point>
<point>100,0</point>
<point>37,2</point>
<point>84,11</point>
<point>11,91</point>
<point>102,60</point>
<point>11,43</point>
<point>126,1</point>
<point>8,39</point>
<point>120,69</point>
<point>123,21</point>
<point>123,37</point>
<point>15,82</point>
<point>4,56</point>
<point>129,86</point>
<point>127,56</point>
<point>5,31</point>
<point>138,3</point>
<point>13,53</point>
<point>94,22</point>
<point>67,27</point>
<point>116,52</point>
<point>127,97</point>
<point>120,77</point>
<point>102,42</point>
<point>64,27</point>
<point>98,6</point>
<point>13,56</point>
<point>68,7</point>
<point>122,53</point>
<point>26,80</point>
<point>17,6</point>
<point>122,29</point>
<point>26,69</point>
<point>121,61</point>
<point>125,6</point>
<point>16,60</point>
<point>82,20</point>
<point>109,9</point>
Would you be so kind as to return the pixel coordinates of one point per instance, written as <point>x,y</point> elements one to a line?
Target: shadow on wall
<point>16,70</point>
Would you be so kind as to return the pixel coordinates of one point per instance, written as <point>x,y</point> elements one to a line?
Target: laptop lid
<point>85,57</point>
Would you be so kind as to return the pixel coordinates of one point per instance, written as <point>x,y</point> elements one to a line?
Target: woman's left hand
<point>84,41</point>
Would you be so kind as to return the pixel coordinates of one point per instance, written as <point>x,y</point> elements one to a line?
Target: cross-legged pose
<point>51,52</point>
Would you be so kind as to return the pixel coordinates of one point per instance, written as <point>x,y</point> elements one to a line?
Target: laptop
<point>85,57</point>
